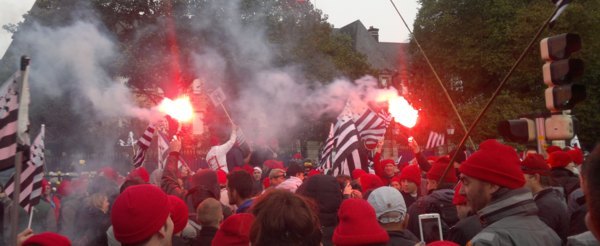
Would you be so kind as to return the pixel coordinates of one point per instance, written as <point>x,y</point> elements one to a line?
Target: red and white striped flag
<point>142,146</point>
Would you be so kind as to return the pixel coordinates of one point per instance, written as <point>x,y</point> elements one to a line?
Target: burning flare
<point>180,108</point>
<point>400,109</point>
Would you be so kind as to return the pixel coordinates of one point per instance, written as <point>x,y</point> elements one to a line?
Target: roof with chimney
<point>381,55</point>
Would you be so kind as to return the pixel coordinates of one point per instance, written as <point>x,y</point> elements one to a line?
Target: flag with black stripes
<point>9,115</point>
<point>372,126</point>
<point>435,139</point>
<point>31,176</point>
<point>163,152</point>
<point>561,5</point>
<point>142,145</point>
<point>325,152</point>
<point>349,153</point>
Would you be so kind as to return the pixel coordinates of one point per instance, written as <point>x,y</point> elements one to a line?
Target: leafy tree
<point>472,44</point>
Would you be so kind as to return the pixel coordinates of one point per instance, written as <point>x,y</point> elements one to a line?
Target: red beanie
<point>138,213</point>
<point>64,189</point>
<point>47,239</point>
<point>266,182</point>
<point>495,163</point>
<point>357,173</point>
<point>411,173</point>
<point>358,224</point>
<point>370,181</point>
<point>179,213</point>
<point>272,164</point>
<point>535,163</point>
<point>110,173</point>
<point>559,159</point>
<point>437,169</point>
<point>221,177</point>
<point>313,172</point>
<point>443,243</point>
<point>576,155</point>
<point>396,178</point>
<point>459,199</point>
<point>297,156</point>
<point>552,148</point>
<point>388,162</point>
<point>235,230</point>
<point>139,173</point>
<point>44,184</point>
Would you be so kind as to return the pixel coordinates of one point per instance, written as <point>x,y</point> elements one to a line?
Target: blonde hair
<point>96,200</point>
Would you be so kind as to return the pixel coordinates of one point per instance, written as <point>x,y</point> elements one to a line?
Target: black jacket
<point>402,238</point>
<point>464,230</point>
<point>205,236</point>
<point>552,210</point>
<point>325,191</point>
<point>566,179</point>
<point>439,201</point>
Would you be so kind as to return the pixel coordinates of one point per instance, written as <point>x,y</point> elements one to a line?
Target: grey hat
<point>388,203</point>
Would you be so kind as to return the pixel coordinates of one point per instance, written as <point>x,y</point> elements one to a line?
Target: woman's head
<point>99,201</point>
<point>284,218</point>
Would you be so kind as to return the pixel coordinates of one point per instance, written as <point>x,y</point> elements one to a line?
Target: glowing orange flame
<point>180,108</point>
<point>400,109</point>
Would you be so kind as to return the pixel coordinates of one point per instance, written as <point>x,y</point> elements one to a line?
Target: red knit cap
<point>495,163</point>
<point>396,178</point>
<point>576,155</point>
<point>235,230</point>
<point>552,148</point>
<point>44,184</point>
<point>139,173</point>
<point>357,173</point>
<point>559,159</point>
<point>47,239</point>
<point>272,164</point>
<point>221,177</point>
<point>179,213</point>
<point>459,199</point>
<point>138,213</point>
<point>266,182</point>
<point>437,169</point>
<point>411,173</point>
<point>388,162</point>
<point>358,224</point>
<point>370,181</point>
<point>535,163</point>
<point>443,243</point>
<point>110,173</point>
<point>313,172</point>
<point>64,188</point>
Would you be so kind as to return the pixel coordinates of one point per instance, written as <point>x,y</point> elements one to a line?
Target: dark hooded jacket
<point>553,211</point>
<point>511,219</point>
<point>439,201</point>
<point>464,230</point>
<point>566,179</point>
<point>325,191</point>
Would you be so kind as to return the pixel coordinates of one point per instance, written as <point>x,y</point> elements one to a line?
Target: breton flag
<point>163,153</point>
<point>435,139</point>
<point>31,176</point>
<point>14,118</point>
<point>325,152</point>
<point>371,126</point>
<point>349,153</point>
<point>561,5</point>
<point>142,145</point>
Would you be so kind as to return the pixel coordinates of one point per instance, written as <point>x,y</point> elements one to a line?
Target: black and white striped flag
<point>435,139</point>
<point>14,120</point>
<point>325,152</point>
<point>31,176</point>
<point>371,126</point>
<point>561,5</point>
<point>142,146</point>
<point>163,152</point>
<point>349,153</point>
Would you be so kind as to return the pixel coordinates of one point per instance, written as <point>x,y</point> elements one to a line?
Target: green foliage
<point>476,43</point>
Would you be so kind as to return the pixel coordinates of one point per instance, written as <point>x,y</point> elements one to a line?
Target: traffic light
<point>521,130</point>
<point>560,71</point>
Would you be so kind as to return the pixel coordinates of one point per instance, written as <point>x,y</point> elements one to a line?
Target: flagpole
<point>30,217</point>
<point>462,123</point>
<point>18,165</point>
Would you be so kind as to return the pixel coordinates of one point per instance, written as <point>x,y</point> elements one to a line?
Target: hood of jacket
<point>508,203</point>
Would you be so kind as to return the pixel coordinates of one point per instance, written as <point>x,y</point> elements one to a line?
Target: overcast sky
<point>377,13</point>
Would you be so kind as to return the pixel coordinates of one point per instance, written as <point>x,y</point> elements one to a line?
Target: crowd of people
<point>491,197</point>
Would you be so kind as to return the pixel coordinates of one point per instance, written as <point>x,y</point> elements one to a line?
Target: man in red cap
<point>563,171</point>
<point>550,202</point>
<point>140,216</point>
<point>468,225</point>
<point>385,169</point>
<point>410,180</point>
<point>493,183</point>
<point>439,200</point>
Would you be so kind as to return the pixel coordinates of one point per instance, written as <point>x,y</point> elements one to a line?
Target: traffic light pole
<point>495,94</point>
<point>540,132</point>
